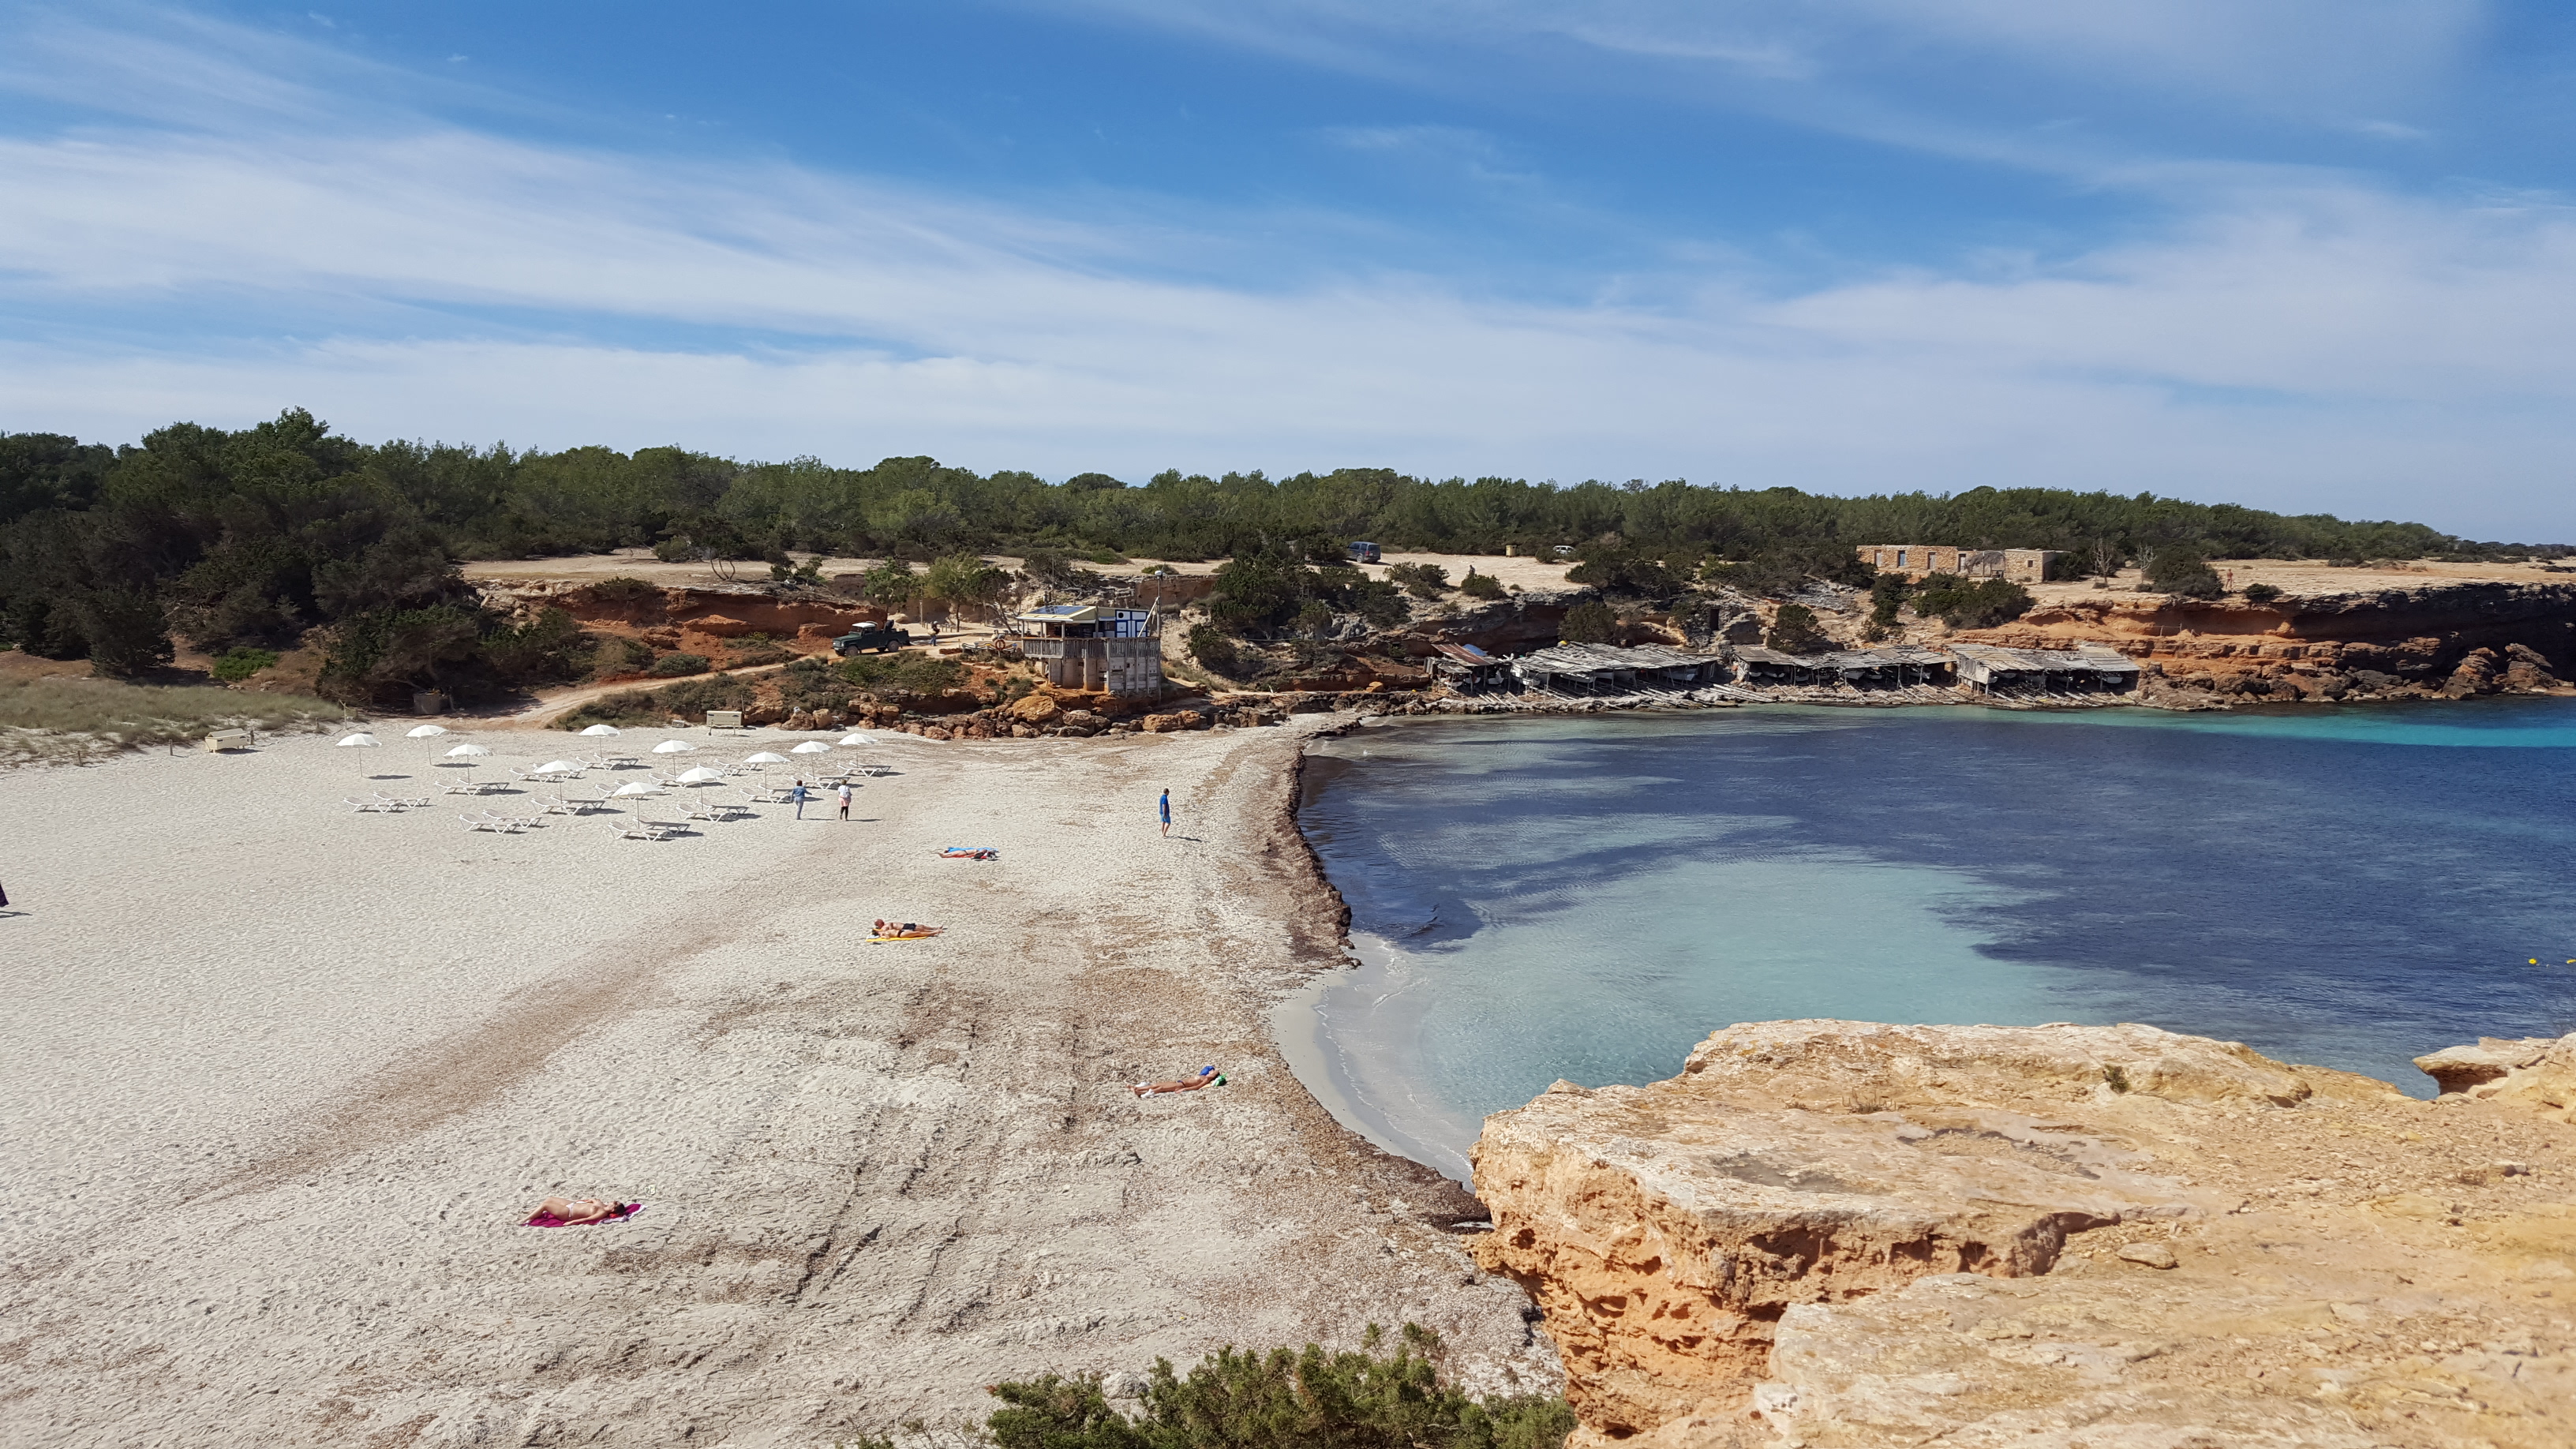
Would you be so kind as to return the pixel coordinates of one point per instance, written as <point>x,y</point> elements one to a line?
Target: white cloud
<point>2317,346</point>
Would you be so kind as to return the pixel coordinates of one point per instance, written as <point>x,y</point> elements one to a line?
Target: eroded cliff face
<point>2435,641</point>
<point>1841,1233</point>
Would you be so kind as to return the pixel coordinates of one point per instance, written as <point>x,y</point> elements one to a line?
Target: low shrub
<point>1964,605</point>
<point>685,700</point>
<point>1214,648</point>
<point>2261,593</point>
<point>1282,1399</point>
<point>903,669</point>
<point>623,589</point>
<point>753,649</point>
<point>674,666</point>
<point>1480,586</point>
<point>239,664</point>
<point>2184,574</point>
<point>1590,622</point>
<point>1794,631</point>
<point>1423,581</point>
<point>619,655</point>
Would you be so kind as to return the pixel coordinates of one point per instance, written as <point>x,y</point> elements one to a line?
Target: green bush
<point>1963,605</point>
<point>127,632</point>
<point>903,669</point>
<point>620,655</point>
<point>1794,631</point>
<point>2181,572</point>
<point>1423,581</point>
<point>674,666</point>
<point>685,700</point>
<point>1480,586</point>
<point>1619,570</point>
<point>1887,594</point>
<point>2261,593</point>
<point>1589,622</point>
<point>624,589</point>
<point>1214,648</point>
<point>239,664</point>
<point>548,649</point>
<point>1244,1399</point>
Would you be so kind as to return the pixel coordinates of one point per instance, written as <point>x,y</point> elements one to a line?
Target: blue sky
<point>2306,254</point>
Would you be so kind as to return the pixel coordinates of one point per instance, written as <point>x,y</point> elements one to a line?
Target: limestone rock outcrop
<point>2536,1074</point>
<point>1840,1233</point>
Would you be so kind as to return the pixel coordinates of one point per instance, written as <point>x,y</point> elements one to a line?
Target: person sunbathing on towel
<point>574,1211</point>
<point>969,852</point>
<point>906,930</point>
<point>1207,1077</point>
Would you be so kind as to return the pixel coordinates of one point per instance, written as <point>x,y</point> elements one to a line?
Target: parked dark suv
<point>871,636</point>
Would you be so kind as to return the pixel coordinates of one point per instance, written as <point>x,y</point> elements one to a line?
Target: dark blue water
<point>1588,898</point>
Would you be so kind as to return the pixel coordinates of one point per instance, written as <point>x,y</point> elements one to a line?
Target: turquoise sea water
<point>1586,898</point>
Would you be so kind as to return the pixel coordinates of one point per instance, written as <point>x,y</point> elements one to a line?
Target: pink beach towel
<point>549,1220</point>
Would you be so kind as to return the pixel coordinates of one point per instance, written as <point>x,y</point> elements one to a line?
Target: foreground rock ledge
<point>1836,1233</point>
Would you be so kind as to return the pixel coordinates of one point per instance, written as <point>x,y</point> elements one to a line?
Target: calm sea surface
<point>1537,899</point>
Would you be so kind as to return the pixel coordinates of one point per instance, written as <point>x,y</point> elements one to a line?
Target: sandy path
<point>279,1079</point>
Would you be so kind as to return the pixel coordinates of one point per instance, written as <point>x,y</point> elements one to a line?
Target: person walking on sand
<point>1166,808</point>
<point>800,795</point>
<point>845,799</point>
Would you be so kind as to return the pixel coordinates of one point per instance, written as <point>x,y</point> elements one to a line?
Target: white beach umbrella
<point>765,757</point>
<point>635,787</point>
<point>602,732</point>
<point>812,747</point>
<point>359,741</point>
<point>673,747</point>
<point>469,752</point>
<point>855,738</point>
<point>557,767</point>
<point>700,776</point>
<point>425,732</point>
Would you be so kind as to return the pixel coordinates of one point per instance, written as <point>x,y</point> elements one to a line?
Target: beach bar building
<point>1089,646</point>
<point>2085,669</point>
<point>1612,669</point>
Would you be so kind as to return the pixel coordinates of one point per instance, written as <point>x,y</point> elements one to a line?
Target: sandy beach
<point>281,1081</point>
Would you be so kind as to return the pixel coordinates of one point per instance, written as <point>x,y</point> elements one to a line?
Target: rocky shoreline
<point>1826,1233</point>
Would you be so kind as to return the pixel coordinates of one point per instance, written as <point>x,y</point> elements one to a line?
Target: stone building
<point>1914,560</point>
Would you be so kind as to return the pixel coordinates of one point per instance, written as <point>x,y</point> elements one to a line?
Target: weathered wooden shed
<point>1611,669</point>
<point>2085,669</point>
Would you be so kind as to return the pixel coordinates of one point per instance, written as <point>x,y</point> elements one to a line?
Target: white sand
<point>280,1080</point>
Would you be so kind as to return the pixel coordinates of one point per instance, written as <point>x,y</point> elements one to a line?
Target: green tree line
<point>248,537</point>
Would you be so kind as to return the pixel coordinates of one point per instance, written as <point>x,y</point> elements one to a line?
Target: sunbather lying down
<point>905,930</point>
<point>1207,1077</point>
<point>573,1212</point>
<point>970,852</point>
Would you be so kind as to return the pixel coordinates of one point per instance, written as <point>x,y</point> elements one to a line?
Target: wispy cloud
<point>2319,345</point>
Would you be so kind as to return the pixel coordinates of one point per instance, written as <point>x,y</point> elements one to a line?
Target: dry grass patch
<point>67,721</point>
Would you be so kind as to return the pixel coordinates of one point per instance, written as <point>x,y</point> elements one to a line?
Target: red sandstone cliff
<point>2451,639</point>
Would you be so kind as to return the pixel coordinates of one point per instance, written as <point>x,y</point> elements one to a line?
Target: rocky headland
<point>1832,1233</point>
<point>2440,639</point>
